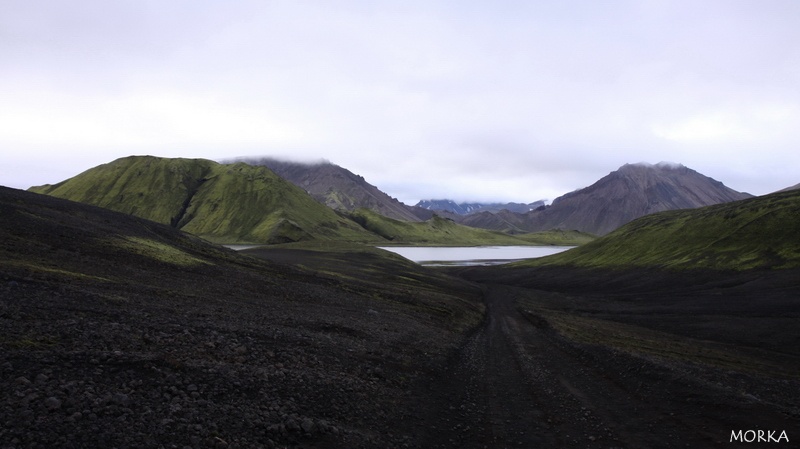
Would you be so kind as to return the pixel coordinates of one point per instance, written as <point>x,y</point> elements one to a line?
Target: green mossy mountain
<point>242,203</point>
<point>235,203</point>
<point>762,232</point>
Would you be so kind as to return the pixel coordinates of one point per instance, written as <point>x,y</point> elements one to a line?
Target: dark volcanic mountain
<point>631,192</point>
<point>337,187</point>
<point>472,208</point>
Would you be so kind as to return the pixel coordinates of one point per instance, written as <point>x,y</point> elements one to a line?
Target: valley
<point>122,332</point>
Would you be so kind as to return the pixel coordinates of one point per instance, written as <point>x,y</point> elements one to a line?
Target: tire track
<point>517,383</point>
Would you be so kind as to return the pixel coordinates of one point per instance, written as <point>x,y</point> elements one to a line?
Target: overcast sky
<point>469,100</point>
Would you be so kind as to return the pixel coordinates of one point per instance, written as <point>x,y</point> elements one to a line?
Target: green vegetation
<point>557,237</point>
<point>158,250</point>
<point>241,203</point>
<point>236,203</point>
<point>761,232</point>
<point>436,231</point>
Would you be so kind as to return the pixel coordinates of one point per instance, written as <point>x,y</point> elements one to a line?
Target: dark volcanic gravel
<point>173,343</point>
<point>196,346</point>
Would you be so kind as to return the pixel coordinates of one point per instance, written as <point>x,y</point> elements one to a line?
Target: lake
<point>473,255</point>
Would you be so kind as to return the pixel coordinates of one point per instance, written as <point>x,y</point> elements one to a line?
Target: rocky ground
<point>106,345</point>
<point>99,373</point>
<point>192,346</point>
<point>521,383</point>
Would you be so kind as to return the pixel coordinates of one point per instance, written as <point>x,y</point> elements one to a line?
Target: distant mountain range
<point>242,203</point>
<point>632,191</point>
<point>472,208</point>
<point>267,200</point>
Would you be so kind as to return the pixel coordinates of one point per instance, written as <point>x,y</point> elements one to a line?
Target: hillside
<point>336,187</point>
<point>122,332</point>
<point>222,203</point>
<point>437,230</point>
<point>502,221</point>
<point>760,232</point>
<point>794,187</point>
<point>632,191</point>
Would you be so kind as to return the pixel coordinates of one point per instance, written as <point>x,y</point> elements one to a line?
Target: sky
<point>469,100</point>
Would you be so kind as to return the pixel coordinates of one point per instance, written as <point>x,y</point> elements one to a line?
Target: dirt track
<point>518,383</point>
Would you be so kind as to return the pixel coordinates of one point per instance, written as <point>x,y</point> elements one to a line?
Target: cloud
<point>749,125</point>
<point>473,100</point>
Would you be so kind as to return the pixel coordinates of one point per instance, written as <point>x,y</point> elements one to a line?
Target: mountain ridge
<point>222,203</point>
<point>467,208</point>
<point>336,187</point>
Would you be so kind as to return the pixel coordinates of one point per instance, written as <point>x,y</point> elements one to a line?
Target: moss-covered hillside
<point>761,232</point>
<point>222,203</point>
<point>436,231</point>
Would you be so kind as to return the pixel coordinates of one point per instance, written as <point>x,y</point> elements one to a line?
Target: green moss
<point>28,342</point>
<point>43,268</point>
<point>436,231</point>
<point>159,251</point>
<point>558,237</point>
<point>760,232</point>
<point>235,203</point>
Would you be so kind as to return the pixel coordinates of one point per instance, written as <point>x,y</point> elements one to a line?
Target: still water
<point>474,255</point>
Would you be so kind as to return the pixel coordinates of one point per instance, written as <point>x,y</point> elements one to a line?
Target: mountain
<point>632,191</point>
<point>336,187</point>
<point>502,221</point>
<point>234,203</point>
<point>794,187</point>
<point>471,208</point>
<point>760,232</point>
<point>437,230</point>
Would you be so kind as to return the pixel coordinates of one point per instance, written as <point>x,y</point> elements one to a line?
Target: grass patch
<point>28,342</point>
<point>557,237</point>
<point>159,251</point>
<point>60,272</point>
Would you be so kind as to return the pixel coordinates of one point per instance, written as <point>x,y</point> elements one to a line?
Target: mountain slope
<point>336,187</point>
<point>502,221</point>
<point>760,232</point>
<point>437,230</point>
<point>632,191</point>
<point>472,208</point>
<point>223,203</point>
<point>103,314</point>
<point>794,187</point>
